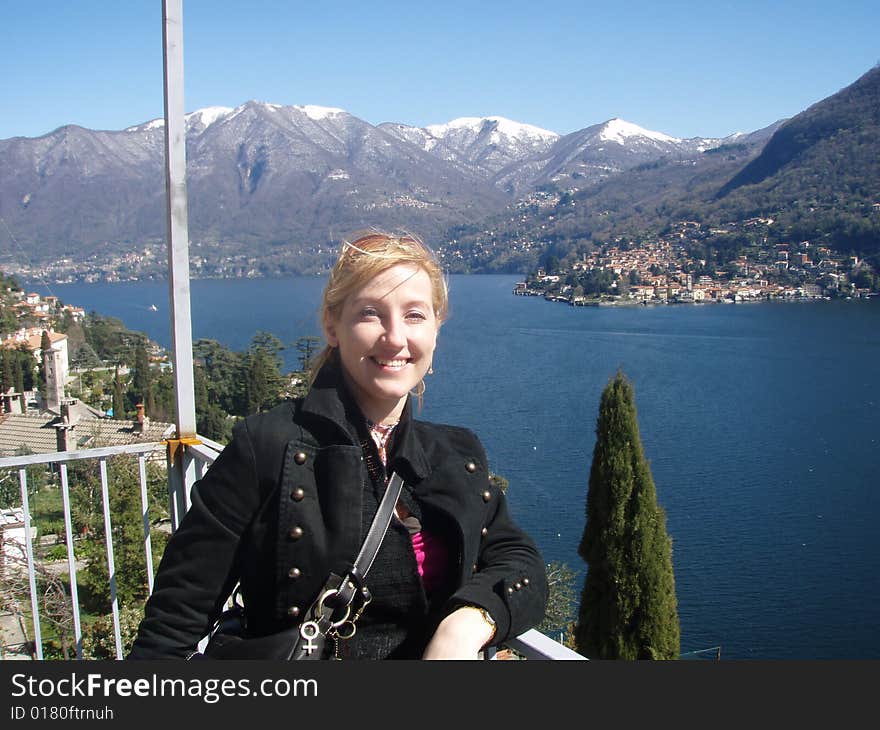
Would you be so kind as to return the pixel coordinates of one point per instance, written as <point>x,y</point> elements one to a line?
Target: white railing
<point>14,555</point>
<point>535,645</point>
<point>531,644</point>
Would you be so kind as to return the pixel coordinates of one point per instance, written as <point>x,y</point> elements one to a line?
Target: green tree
<point>45,347</point>
<point>6,370</point>
<point>162,406</point>
<point>127,528</point>
<point>10,490</point>
<point>223,376</point>
<point>79,351</point>
<point>307,347</point>
<point>559,614</point>
<point>118,395</point>
<point>18,372</point>
<point>628,607</point>
<point>263,381</point>
<point>211,421</point>
<point>142,378</point>
<point>8,319</point>
<point>107,338</point>
<point>24,368</point>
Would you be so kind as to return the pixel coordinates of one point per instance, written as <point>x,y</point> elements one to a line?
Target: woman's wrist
<point>486,622</point>
<point>462,634</point>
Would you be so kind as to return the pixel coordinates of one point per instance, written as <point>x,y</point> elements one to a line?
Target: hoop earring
<point>419,390</point>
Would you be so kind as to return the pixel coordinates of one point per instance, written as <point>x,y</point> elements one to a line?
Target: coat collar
<point>330,399</point>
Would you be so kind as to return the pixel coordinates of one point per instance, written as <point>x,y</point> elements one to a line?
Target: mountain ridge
<point>814,178</point>
<point>279,184</point>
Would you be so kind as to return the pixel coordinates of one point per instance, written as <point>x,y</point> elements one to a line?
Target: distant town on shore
<point>665,271</point>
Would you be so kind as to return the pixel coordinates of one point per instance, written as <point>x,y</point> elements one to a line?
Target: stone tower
<point>55,377</point>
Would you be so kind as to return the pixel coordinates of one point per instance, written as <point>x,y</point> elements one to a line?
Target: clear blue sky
<point>683,68</point>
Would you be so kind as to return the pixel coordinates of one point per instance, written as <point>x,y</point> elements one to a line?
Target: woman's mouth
<point>390,364</point>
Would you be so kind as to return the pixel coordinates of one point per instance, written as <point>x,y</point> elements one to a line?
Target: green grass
<point>47,511</point>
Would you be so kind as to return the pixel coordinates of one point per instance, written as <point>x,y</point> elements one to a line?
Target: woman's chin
<point>391,394</point>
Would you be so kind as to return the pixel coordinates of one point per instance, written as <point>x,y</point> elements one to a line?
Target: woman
<point>291,497</point>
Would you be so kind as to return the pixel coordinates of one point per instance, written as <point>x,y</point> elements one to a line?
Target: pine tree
<point>263,380</point>
<point>308,347</point>
<point>628,607</point>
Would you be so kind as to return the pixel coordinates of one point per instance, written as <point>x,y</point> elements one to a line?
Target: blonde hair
<point>365,258</point>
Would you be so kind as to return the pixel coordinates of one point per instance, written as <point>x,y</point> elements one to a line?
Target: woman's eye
<point>417,316</point>
<point>369,312</point>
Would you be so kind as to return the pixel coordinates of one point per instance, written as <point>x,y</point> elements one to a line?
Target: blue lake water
<point>760,422</point>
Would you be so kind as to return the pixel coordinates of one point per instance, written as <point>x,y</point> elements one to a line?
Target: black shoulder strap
<point>372,542</point>
<point>379,527</point>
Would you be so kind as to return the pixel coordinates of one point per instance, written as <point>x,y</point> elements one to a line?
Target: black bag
<point>331,617</point>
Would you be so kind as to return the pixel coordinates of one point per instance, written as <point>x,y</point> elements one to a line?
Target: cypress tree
<point>45,342</point>
<point>142,378</point>
<point>118,396</point>
<point>18,373</point>
<point>8,377</point>
<point>45,347</point>
<point>628,608</point>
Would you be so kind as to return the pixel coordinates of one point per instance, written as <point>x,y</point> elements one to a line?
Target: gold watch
<point>487,617</point>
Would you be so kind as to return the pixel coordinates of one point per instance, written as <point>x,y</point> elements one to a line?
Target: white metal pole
<point>178,240</point>
<point>181,473</point>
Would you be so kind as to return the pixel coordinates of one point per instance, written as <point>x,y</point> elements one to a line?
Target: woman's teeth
<point>391,363</point>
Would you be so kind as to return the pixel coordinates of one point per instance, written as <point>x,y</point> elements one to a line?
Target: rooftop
<point>36,433</point>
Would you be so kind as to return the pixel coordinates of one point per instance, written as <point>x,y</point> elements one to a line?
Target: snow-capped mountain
<point>484,144</point>
<point>596,152</point>
<point>268,175</point>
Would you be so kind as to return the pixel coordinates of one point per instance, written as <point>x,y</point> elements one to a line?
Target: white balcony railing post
<point>32,573</point>
<point>71,561</point>
<point>145,511</point>
<point>111,563</point>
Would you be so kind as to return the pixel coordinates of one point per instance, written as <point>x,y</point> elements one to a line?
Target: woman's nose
<point>394,332</point>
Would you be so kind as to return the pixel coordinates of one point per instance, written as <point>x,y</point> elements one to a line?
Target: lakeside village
<point>662,272</point>
<point>38,411</point>
<point>149,263</point>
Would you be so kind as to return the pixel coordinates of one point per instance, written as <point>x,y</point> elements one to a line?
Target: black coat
<point>281,508</point>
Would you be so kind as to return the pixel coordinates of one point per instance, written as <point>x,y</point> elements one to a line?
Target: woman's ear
<point>329,328</point>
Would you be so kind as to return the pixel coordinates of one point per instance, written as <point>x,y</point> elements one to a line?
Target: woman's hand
<point>461,635</point>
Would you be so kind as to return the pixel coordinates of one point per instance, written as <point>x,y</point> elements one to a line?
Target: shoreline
<point>678,302</point>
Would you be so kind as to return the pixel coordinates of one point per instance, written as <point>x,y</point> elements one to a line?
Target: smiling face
<point>386,334</point>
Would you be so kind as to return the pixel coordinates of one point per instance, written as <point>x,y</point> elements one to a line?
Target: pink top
<point>431,558</point>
